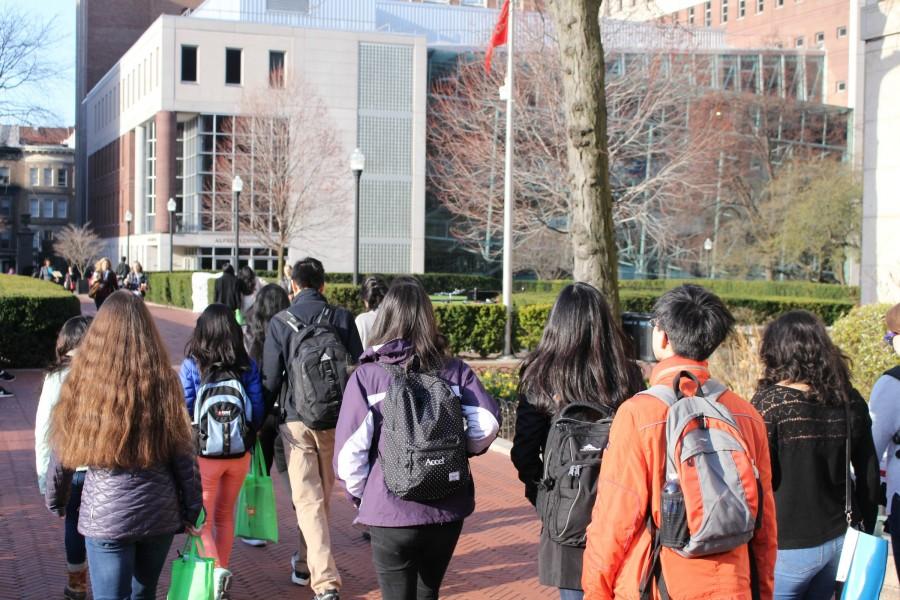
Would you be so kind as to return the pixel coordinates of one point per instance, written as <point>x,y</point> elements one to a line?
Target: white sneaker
<point>298,578</point>
<point>254,542</point>
<point>221,583</point>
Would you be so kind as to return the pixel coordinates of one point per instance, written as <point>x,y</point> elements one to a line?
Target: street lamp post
<point>357,165</point>
<point>171,206</point>
<point>237,186</point>
<point>708,246</point>
<point>128,218</point>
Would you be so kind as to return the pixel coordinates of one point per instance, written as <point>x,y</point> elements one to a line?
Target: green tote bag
<point>256,517</point>
<point>192,574</point>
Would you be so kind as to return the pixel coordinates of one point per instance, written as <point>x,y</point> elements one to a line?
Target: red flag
<point>498,38</point>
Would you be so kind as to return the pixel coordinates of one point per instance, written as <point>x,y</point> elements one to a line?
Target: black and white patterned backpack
<point>423,454</point>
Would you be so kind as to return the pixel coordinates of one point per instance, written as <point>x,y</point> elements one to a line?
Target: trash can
<point>638,329</point>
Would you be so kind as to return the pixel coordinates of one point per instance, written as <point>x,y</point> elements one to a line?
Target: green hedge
<point>173,289</point>
<point>722,287</point>
<point>859,334</point>
<point>31,315</point>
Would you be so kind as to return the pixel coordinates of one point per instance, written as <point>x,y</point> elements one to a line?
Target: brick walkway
<point>495,558</point>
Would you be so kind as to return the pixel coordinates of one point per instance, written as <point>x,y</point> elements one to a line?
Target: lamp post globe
<point>237,186</point>
<point>171,206</point>
<point>128,219</point>
<point>357,166</point>
<point>707,247</point>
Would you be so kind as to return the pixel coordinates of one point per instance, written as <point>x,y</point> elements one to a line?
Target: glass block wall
<point>385,135</point>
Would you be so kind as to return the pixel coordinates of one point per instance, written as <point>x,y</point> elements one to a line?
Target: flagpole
<point>508,185</point>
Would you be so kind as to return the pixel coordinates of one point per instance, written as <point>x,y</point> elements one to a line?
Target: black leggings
<point>411,561</point>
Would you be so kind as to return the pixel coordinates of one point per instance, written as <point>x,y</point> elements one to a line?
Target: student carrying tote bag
<point>861,570</point>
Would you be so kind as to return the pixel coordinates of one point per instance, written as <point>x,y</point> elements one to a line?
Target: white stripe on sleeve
<point>353,459</point>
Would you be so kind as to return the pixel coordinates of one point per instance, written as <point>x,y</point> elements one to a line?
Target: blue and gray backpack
<point>222,413</point>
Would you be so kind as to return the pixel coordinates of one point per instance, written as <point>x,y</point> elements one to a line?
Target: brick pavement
<point>495,558</point>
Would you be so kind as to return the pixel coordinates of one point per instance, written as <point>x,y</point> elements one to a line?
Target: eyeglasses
<point>889,338</point>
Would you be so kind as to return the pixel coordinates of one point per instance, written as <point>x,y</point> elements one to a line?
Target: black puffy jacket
<point>117,504</point>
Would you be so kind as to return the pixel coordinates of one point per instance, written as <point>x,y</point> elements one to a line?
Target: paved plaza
<point>496,557</point>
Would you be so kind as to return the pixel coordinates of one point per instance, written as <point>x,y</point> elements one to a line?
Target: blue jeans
<point>123,570</point>
<point>808,573</point>
<point>76,554</point>
<point>566,594</point>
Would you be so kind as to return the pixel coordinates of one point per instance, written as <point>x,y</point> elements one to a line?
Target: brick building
<point>36,191</point>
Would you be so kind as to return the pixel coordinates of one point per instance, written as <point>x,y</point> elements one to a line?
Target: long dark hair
<point>270,301</point>
<point>217,342</point>
<point>372,291</point>
<point>69,338</point>
<point>582,356</point>
<point>247,279</point>
<point>797,348</point>
<point>406,313</point>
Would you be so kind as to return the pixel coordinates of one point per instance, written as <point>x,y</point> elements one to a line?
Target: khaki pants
<point>309,454</point>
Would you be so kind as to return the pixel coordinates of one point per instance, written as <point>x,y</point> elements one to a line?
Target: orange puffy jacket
<point>631,479</point>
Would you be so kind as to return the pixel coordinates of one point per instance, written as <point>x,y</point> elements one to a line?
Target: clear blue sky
<point>60,94</point>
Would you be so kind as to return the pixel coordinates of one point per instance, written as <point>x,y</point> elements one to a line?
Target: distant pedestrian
<point>136,281</point>
<point>250,285</point>
<point>413,536</point>
<point>217,375</point>
<point>122,270</point>
<point>806,399</point>
<point>884,406</point>
<point>581,360</point>
<point>71,280</point>
<point>142,484</point>
<point>67,342</point>
<point>311,409</point>
<point>286,280</point>
<point>371,293</point>
<point>103,282</point>
<point>228,289</point>
<point>47,272</point>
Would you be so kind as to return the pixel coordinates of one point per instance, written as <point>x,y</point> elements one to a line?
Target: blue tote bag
<point>864,557</point>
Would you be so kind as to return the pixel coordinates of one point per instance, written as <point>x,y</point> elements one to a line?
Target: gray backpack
<point>712,496</point>
<point>222,413</point>
<point>423,451</point>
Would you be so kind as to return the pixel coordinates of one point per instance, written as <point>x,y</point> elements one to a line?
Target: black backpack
<point>317,366</point>
<point>423,454</point>
<point>572,456</point>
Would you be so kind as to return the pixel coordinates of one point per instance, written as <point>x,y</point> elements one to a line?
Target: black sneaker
<point>5,394</point>
<point>328,595</point>
<point>298,577</point>
<point>6,376</point>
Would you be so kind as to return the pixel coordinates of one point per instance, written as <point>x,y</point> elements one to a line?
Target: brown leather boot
<point>76,588</point>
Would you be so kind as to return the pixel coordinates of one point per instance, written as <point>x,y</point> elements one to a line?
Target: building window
<point>724,11</point>
<point>62,178</point>
<point>276,69</point>
<point>707,14</point>
<point>291,5</point>
<point>47,208</point>
<point>779,3</point>
<point>62,209</point>
<point>34,208</point>
<point>48,177</point>
<point>760,6</point>
<point>5,207</point>
<point>150,174</point>
<point>189,64</point>
<point>841,86</point>
<point>4,175</point>
<point>233,66</point>
<point>691,15</point>
<point>6,239</point>
<point>742,9</point>
<point>842,31</point>
<point>820,37</point>
<point>33,177</point>
<point>799,42</point>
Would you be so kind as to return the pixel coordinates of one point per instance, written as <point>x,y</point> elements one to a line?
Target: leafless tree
<point>25,69</point>
<point>655,159</point>
<point>78,245</point>
<point>287,151</point>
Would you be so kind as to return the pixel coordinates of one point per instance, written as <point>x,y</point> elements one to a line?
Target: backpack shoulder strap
<point>664,393</point>
<point>286,316</point>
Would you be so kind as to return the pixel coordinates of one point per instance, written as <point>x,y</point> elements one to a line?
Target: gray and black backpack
<point>423,450</point>
<point>572,455</point>
<point>222,414</point>
<point>317,365</point>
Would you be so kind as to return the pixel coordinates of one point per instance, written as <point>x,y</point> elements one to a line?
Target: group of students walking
<point>740,500</point>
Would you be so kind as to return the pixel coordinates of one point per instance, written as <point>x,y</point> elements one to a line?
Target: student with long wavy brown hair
<point>142,484</point>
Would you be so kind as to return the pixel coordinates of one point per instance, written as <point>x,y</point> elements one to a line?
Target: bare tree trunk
<point>581,52</point>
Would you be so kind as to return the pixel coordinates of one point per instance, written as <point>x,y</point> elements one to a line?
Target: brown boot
<point>76,588</point>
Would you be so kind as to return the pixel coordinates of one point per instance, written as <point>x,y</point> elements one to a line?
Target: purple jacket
<point>357,439</point>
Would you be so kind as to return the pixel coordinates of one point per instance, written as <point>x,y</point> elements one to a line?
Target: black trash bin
<point>639,330</point>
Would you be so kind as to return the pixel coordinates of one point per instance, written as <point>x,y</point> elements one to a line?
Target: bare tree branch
<point>25,69</point>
